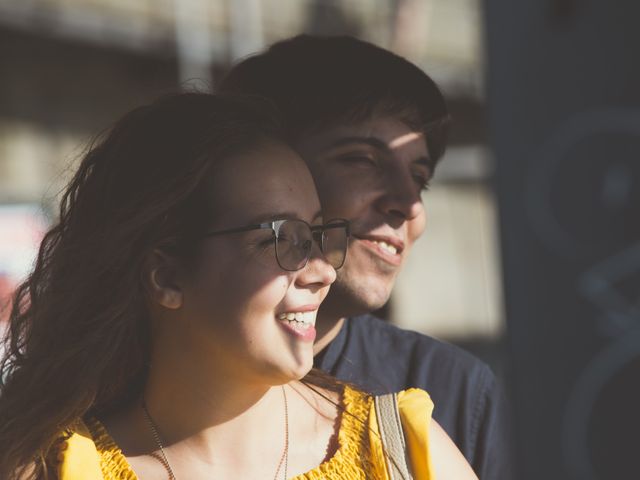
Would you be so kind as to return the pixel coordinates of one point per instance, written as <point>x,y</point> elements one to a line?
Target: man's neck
<point>327,329</point>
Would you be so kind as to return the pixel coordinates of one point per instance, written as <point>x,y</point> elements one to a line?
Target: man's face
<point>372,174</point>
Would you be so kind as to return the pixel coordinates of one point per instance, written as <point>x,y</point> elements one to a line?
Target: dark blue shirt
<point>379,358</point>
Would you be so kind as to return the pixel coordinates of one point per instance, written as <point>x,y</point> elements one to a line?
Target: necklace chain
<point>285,452</point>
<point>284,458</point>
<point>154,430</point>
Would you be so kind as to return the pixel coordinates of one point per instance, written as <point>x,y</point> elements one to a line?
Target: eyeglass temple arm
<point>335,224</point>
<point>315,228</point>
<point>241,229</point>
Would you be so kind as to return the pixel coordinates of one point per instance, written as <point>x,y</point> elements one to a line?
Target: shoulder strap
<point>392,436</point>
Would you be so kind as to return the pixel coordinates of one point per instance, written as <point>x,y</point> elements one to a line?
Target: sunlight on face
<point>406,139</point>
<point>245,315</point>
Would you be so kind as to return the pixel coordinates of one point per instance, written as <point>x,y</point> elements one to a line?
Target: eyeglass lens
<point>334,244</point>
<point>294,240</point>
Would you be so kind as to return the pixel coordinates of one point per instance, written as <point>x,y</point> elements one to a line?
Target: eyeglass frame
<point>275,226</point>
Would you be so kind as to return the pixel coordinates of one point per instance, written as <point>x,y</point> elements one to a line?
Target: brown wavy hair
<point>79,336</point>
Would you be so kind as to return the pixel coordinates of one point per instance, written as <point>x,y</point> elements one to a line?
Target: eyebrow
<point>379,145</point>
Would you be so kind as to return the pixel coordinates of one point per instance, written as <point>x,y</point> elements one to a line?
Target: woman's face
<point>234,300</point>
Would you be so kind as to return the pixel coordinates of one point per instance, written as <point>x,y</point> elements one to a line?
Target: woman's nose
<point>318,271</point>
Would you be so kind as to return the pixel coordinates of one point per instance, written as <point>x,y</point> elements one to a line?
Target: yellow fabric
<point>415,406</point>
<point>78,456</point>
<point>91,453</point>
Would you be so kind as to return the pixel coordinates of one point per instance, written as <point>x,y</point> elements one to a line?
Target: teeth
<point>303,318</point>
<point>389,248</point>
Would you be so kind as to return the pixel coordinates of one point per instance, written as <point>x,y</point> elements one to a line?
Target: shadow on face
<point>371,173</point>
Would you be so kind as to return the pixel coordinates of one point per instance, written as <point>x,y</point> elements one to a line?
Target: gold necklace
<point>284,458</point>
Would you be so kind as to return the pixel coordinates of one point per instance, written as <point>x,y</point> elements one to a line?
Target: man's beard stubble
<point>349,297</point>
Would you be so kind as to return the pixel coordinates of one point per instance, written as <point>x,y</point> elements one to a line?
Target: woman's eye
<point>267,241</point>
<point>282,240</point>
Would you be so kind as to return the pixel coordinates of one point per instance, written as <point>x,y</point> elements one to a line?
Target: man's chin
<point>347,300</point>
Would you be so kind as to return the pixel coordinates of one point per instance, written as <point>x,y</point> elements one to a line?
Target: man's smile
<point>388,248</point>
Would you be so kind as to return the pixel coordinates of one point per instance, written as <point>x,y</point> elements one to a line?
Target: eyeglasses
<point>294,240</point>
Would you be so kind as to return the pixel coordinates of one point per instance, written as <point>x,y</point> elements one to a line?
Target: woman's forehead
<point>263,182</point>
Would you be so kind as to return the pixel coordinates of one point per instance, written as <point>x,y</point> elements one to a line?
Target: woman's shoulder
<point>87,451</point>
<point>354,399</point>
<point>78,455</point>
<point>351,458</point>
<point>431,452</point>
<point>414,409</point>
<point>414,405</point>
<point>415,402</point>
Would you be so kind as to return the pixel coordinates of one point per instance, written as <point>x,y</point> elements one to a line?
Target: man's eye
<point>356,159</point>
<point>422,182</point>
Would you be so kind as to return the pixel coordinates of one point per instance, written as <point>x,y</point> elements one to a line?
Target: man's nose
<point>400,197</point>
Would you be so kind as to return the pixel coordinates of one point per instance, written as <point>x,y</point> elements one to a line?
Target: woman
<point>169,318</point>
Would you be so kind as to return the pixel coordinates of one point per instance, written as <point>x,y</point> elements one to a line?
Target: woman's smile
<point>300,322</point>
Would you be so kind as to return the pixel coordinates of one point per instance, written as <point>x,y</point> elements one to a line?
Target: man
<point>372,127</point>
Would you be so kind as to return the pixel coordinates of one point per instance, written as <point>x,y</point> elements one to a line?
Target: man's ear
<point>162,278</point>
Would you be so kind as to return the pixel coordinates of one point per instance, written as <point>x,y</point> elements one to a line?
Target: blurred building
<point>71,67</point>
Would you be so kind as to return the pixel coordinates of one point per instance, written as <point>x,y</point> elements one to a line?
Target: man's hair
<point>316,81</point>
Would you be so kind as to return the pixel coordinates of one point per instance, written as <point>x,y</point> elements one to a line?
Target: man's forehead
<point>386,132</point>
<point>406,139</point>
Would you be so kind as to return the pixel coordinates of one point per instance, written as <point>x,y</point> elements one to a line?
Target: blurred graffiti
<point>582,201</point>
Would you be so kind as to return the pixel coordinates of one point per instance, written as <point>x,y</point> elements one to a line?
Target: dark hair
<point>317,80</point>
<point>79,338</point>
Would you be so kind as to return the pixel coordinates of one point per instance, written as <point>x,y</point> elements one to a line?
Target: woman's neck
<point>190,400</point>
<point>202,433</point>
<point>217,418</point>
<point>247,445</point>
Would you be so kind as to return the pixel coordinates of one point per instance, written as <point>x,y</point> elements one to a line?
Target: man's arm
<point>491,434</point>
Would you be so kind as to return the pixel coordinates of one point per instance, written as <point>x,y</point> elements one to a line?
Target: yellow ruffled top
<point>89,452</point>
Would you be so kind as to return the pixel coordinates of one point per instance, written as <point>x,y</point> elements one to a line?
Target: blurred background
<point>533,216</point>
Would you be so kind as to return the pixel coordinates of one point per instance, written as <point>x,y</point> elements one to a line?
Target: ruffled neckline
<point>347,459</point>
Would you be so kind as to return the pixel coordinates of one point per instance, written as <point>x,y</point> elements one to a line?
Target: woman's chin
<point>301,370</point>
<point>296,372</point>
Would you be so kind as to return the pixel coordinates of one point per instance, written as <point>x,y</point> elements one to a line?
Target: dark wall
<point>564,103</point>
